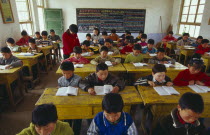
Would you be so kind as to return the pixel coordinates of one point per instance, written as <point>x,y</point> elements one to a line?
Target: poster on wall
<point>6,11</point>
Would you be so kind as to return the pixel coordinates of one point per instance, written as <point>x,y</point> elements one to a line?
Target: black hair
<point>151,41</point>
<point>108,40</point>
<point>137,47</point>
<point>192,101</point>
<point>159,68</point>
<point>24,33</point>
<point>204,41</point>
<point>10,40</point>
<point>112,103</point>
<point>141,32</point>
<point>86,42</point>
<point>31,40</point>
<point>52,30</point>
<point>196,61</point>
<point>73,28</point>
<point>161,50</point>
<point>113,31</point>
<point>44,33</point>
<point>101,66</point>
<point>88,35</point>
<point>129,39</point>
<point>77,50</point>
<point>186,34</point>
<point>44,114</point>
<point>37,33</point>
<point>104,48</point>
<point>5,50</point>
<point>199,37</point>
<point>104,33</point>
<point>97,30</point>
<point>67,65</point>
<point>170,32</point>
<point>128,32</point>
<point>144,36</point>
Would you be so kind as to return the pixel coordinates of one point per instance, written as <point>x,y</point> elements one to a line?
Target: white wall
<point>10,29</point>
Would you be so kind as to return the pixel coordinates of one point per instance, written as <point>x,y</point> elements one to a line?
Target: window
<point>40,5</point>
<point>191,17</point>
<point>24,15</point>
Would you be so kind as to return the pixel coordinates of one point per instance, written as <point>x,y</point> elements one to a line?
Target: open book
<point>139,64</point>
<point>25,54</point>
<point>152,54</point>
<point>108,63</point>
<point>102,90</point>
<point>199,88</point>
<point>110,53</point>
<point>66,91</point>
<point>85,54</point>
<point>169,65</point>
<point>79,65</point>
<point>2,67</point>
<point>166,90</point>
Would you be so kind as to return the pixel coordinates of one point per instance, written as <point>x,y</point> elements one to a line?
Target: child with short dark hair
<point>12,46</point>
<point>32,46</point>
<point>24,40</point>
<point>104,57</point>
<point>104,37</point>
<point>86,47</point>
<point>108,44</point>
<point>112,121</point>
<point>8,59</point>
<point>203,48</point>
<point>198,41</point>
<point>96,35</point>
<point>113,36</point>
<point>128,48</point>
<point>160,58</point>
<point>135,56</point>
<point>53,36</point>
<point>185,40</point>
<point>192,75</point>
<point>37,36</point>
<point>143,42</point>
<point>45,122</point>
<point>45,41</point>
<point>88,38</point>
<point>150,47</point>
<point>158,77</point>
<point>183,119</point>
<point>100,78</point>
<point>138,38</point>
<point>77,57</point>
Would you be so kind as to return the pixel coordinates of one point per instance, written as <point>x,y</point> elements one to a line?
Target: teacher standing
<point>70,40</point>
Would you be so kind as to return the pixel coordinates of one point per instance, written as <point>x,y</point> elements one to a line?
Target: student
<point>88,38</point>
<point>104,37</point>
<point>198,41</point>
<point>54,37</point>
<point>193,74</point>
<point>8,59</point>
<point>124,35</point>
<point>86,47</point>
<point>37,37</point>
<point>77,57</point>
<point>203,48</point>
<point>11,45</point>
<point>138,38</point>
<point>143,42</point>
<point>108,44</point>
<point>150,47</point>
<point>126,41</point>
<point>45,41</point>
<point>158,77</point>
<point>185,40</point>
<point>96,35</point>
<point>113,36</point>
<point>168,38</point>
<point>100,78</point>
<point>128,48</point>
<point>160,58</point>
<point>24,40</point>
<point>112,121</point>
<point>32,46</point>
<point>45,122</point>
<point>104,57</point>
<point>135,56</point>
<point>183,120</point>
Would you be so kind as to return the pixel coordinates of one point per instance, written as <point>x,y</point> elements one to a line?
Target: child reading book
<point>150,47</point>
<point>11,45</point>
<point>136,56</point>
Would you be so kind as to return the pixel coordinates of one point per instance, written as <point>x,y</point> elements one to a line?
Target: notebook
<point>108,63</point>
<point>166,90</point>
<point>139,64</point>
<point>2,67</point>
<point>102,90</point>
<point>110,53</point>
<point>25,54</point>
<point>79,65</point>
<point>85,54</point>
<point>199,88</point>
<point>152,55</point>
<point>169,65</point>
<point>66,91</point>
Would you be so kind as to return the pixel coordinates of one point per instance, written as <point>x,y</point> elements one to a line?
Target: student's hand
<point>165,62</point>
<point>115,89</point>
<point>199,83</point>
<point>127,52</point>
<point>91,53</point>
<point>91,91</point>
<point>7,67</point>
<point>169,84</point>
<point>151,83</point>
<point>192,82</point>
<point>114,63</point>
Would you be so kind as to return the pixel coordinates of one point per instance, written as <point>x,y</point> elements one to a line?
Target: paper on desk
<point>3,67</point>
<point>161,91</point>
<point>205,88</point>
<point>139,64</point>
<point>102,90</point>
<point>65,91</point>
<point>170,90</point>
<point>25,54</point>
<point>110,53</point>
<point>85,54</point>
<point>197,89</point>
<point>79,65</point>
<point>108,63</point>
<point>152,55</point>
<point>169,65</point>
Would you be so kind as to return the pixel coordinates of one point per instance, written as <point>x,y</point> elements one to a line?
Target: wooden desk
<point>186,52</point>
<point>8,76</point>
<point>171,45</point>
<point>96,55</point>
<point>24,49</point>
<point>206,60</point>
<point>84,106</point>
<point>145,56</point>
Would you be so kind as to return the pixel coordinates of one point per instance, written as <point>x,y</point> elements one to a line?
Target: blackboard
<point>107,19</point>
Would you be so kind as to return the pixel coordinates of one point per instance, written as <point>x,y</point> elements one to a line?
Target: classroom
<point>114,67</point>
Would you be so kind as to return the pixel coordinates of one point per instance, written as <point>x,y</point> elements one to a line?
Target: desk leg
<point>11,98</point>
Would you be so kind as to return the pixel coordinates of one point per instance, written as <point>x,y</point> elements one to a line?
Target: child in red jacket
<point>24,40</point>
<point>203,48</point>
<point>128,48</point>
<point>192,75</point>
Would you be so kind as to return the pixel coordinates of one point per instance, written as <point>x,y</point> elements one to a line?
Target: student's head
<point>170,33</point>
<point>199,39</point>
<point>130,42</point>
<point>96,31</point>
<point>104,51</point>
<point>190,107</point>
<point>37,34</point>
<point>77,51</point>
<point>24,34</point>
<point>102,71</point>
<point>185,36</point>
<point>52,32</point>
<point>44,34</point>
<point>136,49</point>
<point>6,52</point>
<point>88,36</point>
<point>143,37</point>
<point>128,33</point>
<point>44,117</point>
<point>67,68</point>
<point>108,42</point>
<point>150,43</point>
<point>141,32</point>
<point>160,53</point>
<point>113,31</point>
<point>127,39</point>
<point>10,42</point>
<point>159,72</point>
<point>205,43</point>
<point>195,64</point>
<point>73,29</point>
<point>32,43</point>
<point>104,34</point>
<point>86,44</point>
<point>112,106</point>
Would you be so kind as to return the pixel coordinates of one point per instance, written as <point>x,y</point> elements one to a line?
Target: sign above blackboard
<point>107,19</point>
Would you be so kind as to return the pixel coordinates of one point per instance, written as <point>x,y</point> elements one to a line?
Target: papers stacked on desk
<point>85,54</point>
<point>139,64</point>
<point>110,53</point>
<point>108,63</point>
<point>2,67</point>
<point>166,90</point>
<point>25,54</point>
<point>66,91</point>
<point>152,55</point>
<point>199,88</point>
<point>79,65</point>
<point>102,90</point>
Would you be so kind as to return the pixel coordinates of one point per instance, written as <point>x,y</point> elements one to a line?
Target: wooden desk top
<point>145,56</point>
<point>28,57</point>
<point>45,47</point>
<point>129,95</point>
<point>10,71</point>
<point>92,68</point>
<point>206,57</point>
<point>96,55</point>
